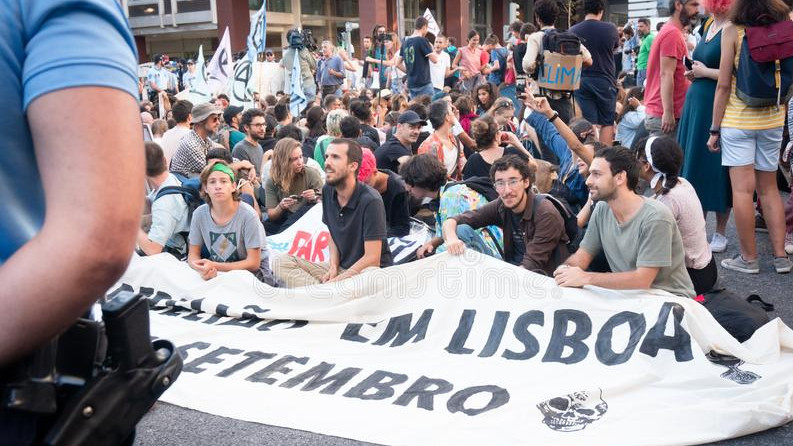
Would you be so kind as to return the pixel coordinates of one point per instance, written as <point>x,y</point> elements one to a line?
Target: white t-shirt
<point>170,141</point>
<point>438,70</point>
<point>169,217</point>
<point>682,200</point>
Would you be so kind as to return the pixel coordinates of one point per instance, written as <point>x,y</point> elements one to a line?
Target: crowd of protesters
<point>607,185</point>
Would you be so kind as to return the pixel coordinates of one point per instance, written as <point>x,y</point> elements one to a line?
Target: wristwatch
<point>715,131</point>
<point>554,116</point>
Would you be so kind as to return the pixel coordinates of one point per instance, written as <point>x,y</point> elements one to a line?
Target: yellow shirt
<point>738,115</point>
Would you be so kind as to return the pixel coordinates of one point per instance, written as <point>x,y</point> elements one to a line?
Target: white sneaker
<point>789,243</point>
<point>719,243</point>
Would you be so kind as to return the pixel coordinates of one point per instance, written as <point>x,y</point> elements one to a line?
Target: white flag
<point>220,67</point>
<point>258,33</point>
<point>199,94</point>
<point>241,84</point>
<point>298,98</point>
<point>433,26</point>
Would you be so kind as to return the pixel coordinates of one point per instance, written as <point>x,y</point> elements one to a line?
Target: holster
<point>92,384</point>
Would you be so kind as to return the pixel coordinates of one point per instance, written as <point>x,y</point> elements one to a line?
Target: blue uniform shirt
<point>47,46</point>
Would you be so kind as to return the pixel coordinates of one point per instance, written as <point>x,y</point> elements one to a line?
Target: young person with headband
<point>660,160</point>
<point>227,230</point>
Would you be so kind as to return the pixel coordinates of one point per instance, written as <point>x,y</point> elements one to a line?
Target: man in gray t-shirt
<point>253,125</point>
<point>639,237</point>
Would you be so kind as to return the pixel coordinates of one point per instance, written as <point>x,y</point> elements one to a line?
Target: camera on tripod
<point>383,37</point>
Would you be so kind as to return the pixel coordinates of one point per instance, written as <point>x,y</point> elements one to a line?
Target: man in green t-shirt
<point>647,37</point>
<point>638,235</point>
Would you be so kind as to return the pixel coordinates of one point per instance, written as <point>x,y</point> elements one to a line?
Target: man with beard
<point>397,149</point>
<point>647,37</point>
<point>534,233</point>
<point>253,124</point>
<point>190,156</point>
<point>666,87</point>
<point>355,217</point>
<point>638,235</point>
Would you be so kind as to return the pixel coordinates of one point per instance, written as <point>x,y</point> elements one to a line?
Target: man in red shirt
<point>665,90</point>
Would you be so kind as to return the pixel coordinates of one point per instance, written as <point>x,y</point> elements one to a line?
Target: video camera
<point>302,39</point>
<point>383,37</point>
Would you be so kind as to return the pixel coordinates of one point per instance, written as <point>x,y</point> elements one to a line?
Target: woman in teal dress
<point>701,167</point>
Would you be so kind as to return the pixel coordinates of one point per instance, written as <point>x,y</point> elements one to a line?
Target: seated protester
<point>534,233</point>
<point>169,214</point>
<point>484,96</point>
<point>467,108</point>
<point>426,129</point>
<point>228,229</point>
<point>393,191</point>
<point>253,124</point>
<point>294,132</point>
<point>189,159</point>
<point>170,140</point>
<point>268,142</point>
<point>659,163</point>
<point>350,127</point>
<point>333,126</point>
<point>247,182</point>
<point>442,143</point>
<point>355,217</point>
<point>315,123</point>
<point>282,114</point>
<point>362,109</point>
<point>638,235</point>
<point>502,111</point>
<point>232,116</point>
<point>631,117</point>
<point>332,102</point>
<point>397,148</point>
<point>488,137</point>
<point>291,189</point>
<point>565,144</point>
<point>425,177</point>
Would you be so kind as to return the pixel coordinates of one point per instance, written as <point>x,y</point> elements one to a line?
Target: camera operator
<point>376,58</point>
<point>55,264</point>
<point>300,45</point>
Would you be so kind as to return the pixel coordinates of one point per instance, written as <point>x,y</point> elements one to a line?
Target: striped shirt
<point>738,115</point>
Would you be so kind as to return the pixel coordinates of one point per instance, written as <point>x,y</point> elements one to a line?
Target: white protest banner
<point>199,94</point>
<point>464,350</point>
<point>258,33</point>
<point>220,67</point>
<point>308,238</point>
<point>268,78</point>
<point>433,25</point>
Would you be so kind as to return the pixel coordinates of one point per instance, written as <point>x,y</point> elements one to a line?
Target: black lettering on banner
<point>123,287</point>
<point>277,366</point>
<point>560,338</point>
<point>381,382</point>
<point>318,377</point>
<point>498,397</point>
<point>604,344</point>
<point>253,357</point>
<point>270,324</point>
<point>400,331</point>
<point>198,345</point>
<point>175,311</point>
<point>146,291</point>
<point>352,333</point>
<point>213,357</point>
<point>194,316</point>
<point>680,342</point>
<point>159,297</point>
<point>424,390</point>
<point>247,319</point>
<point>243,70</point>
<point>496,334</point>
<point>521,331</point>
<point>212,319</point>
<point>457,344</point>
<point>222,310</point>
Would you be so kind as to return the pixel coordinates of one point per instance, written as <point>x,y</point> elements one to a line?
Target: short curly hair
<point>425,171</point>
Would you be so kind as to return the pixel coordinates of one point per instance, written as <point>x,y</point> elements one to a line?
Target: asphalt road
<point>171,425</point>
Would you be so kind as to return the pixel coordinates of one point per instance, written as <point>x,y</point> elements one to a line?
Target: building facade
<point>178,27</point>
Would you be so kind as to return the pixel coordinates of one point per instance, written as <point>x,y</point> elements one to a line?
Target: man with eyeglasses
<point>190,157</point>
<point>534,233</point>
<point>253,124</point>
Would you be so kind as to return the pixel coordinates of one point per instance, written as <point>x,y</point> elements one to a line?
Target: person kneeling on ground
<point>638,235</point>
<point>533,238</point>
<point>227,228</point>
<point>355,217</point>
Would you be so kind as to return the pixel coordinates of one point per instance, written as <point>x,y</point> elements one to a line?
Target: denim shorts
<point>751,147</point>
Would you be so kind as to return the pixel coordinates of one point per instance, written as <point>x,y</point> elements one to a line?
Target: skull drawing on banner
<point>733,373</point>
<point>573,412</point>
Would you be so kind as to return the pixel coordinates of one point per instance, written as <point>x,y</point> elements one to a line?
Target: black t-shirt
<point>518,245</point>
<point>600,38</point>
<point>388,154</point>
<point>362,219</point>
<point>396,200</point>
<point>371,133</point>
<point>365,141</point>
<point>414,51</point>
<point>517,56</point>
<point>268,144</point>
<point>476,166</point>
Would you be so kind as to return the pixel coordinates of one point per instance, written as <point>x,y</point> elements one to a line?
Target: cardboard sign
<point>560,72</point>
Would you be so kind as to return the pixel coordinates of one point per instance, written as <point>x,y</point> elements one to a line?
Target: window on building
<point>312,7</point>
<point>416,8</point>
<point>480,14</point>
<point>278,6</point>
<point>147,8</point>
<point>345,8</point>
<point>192,5</point>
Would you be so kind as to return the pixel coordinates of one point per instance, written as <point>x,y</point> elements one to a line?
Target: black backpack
<point>555,41</point>
<point>570,219</point>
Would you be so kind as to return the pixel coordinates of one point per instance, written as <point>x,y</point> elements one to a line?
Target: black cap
<point>230,112</point>
<point>410,117</point>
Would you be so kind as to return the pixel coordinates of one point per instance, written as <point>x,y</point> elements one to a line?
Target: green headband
<point>220,167</point>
